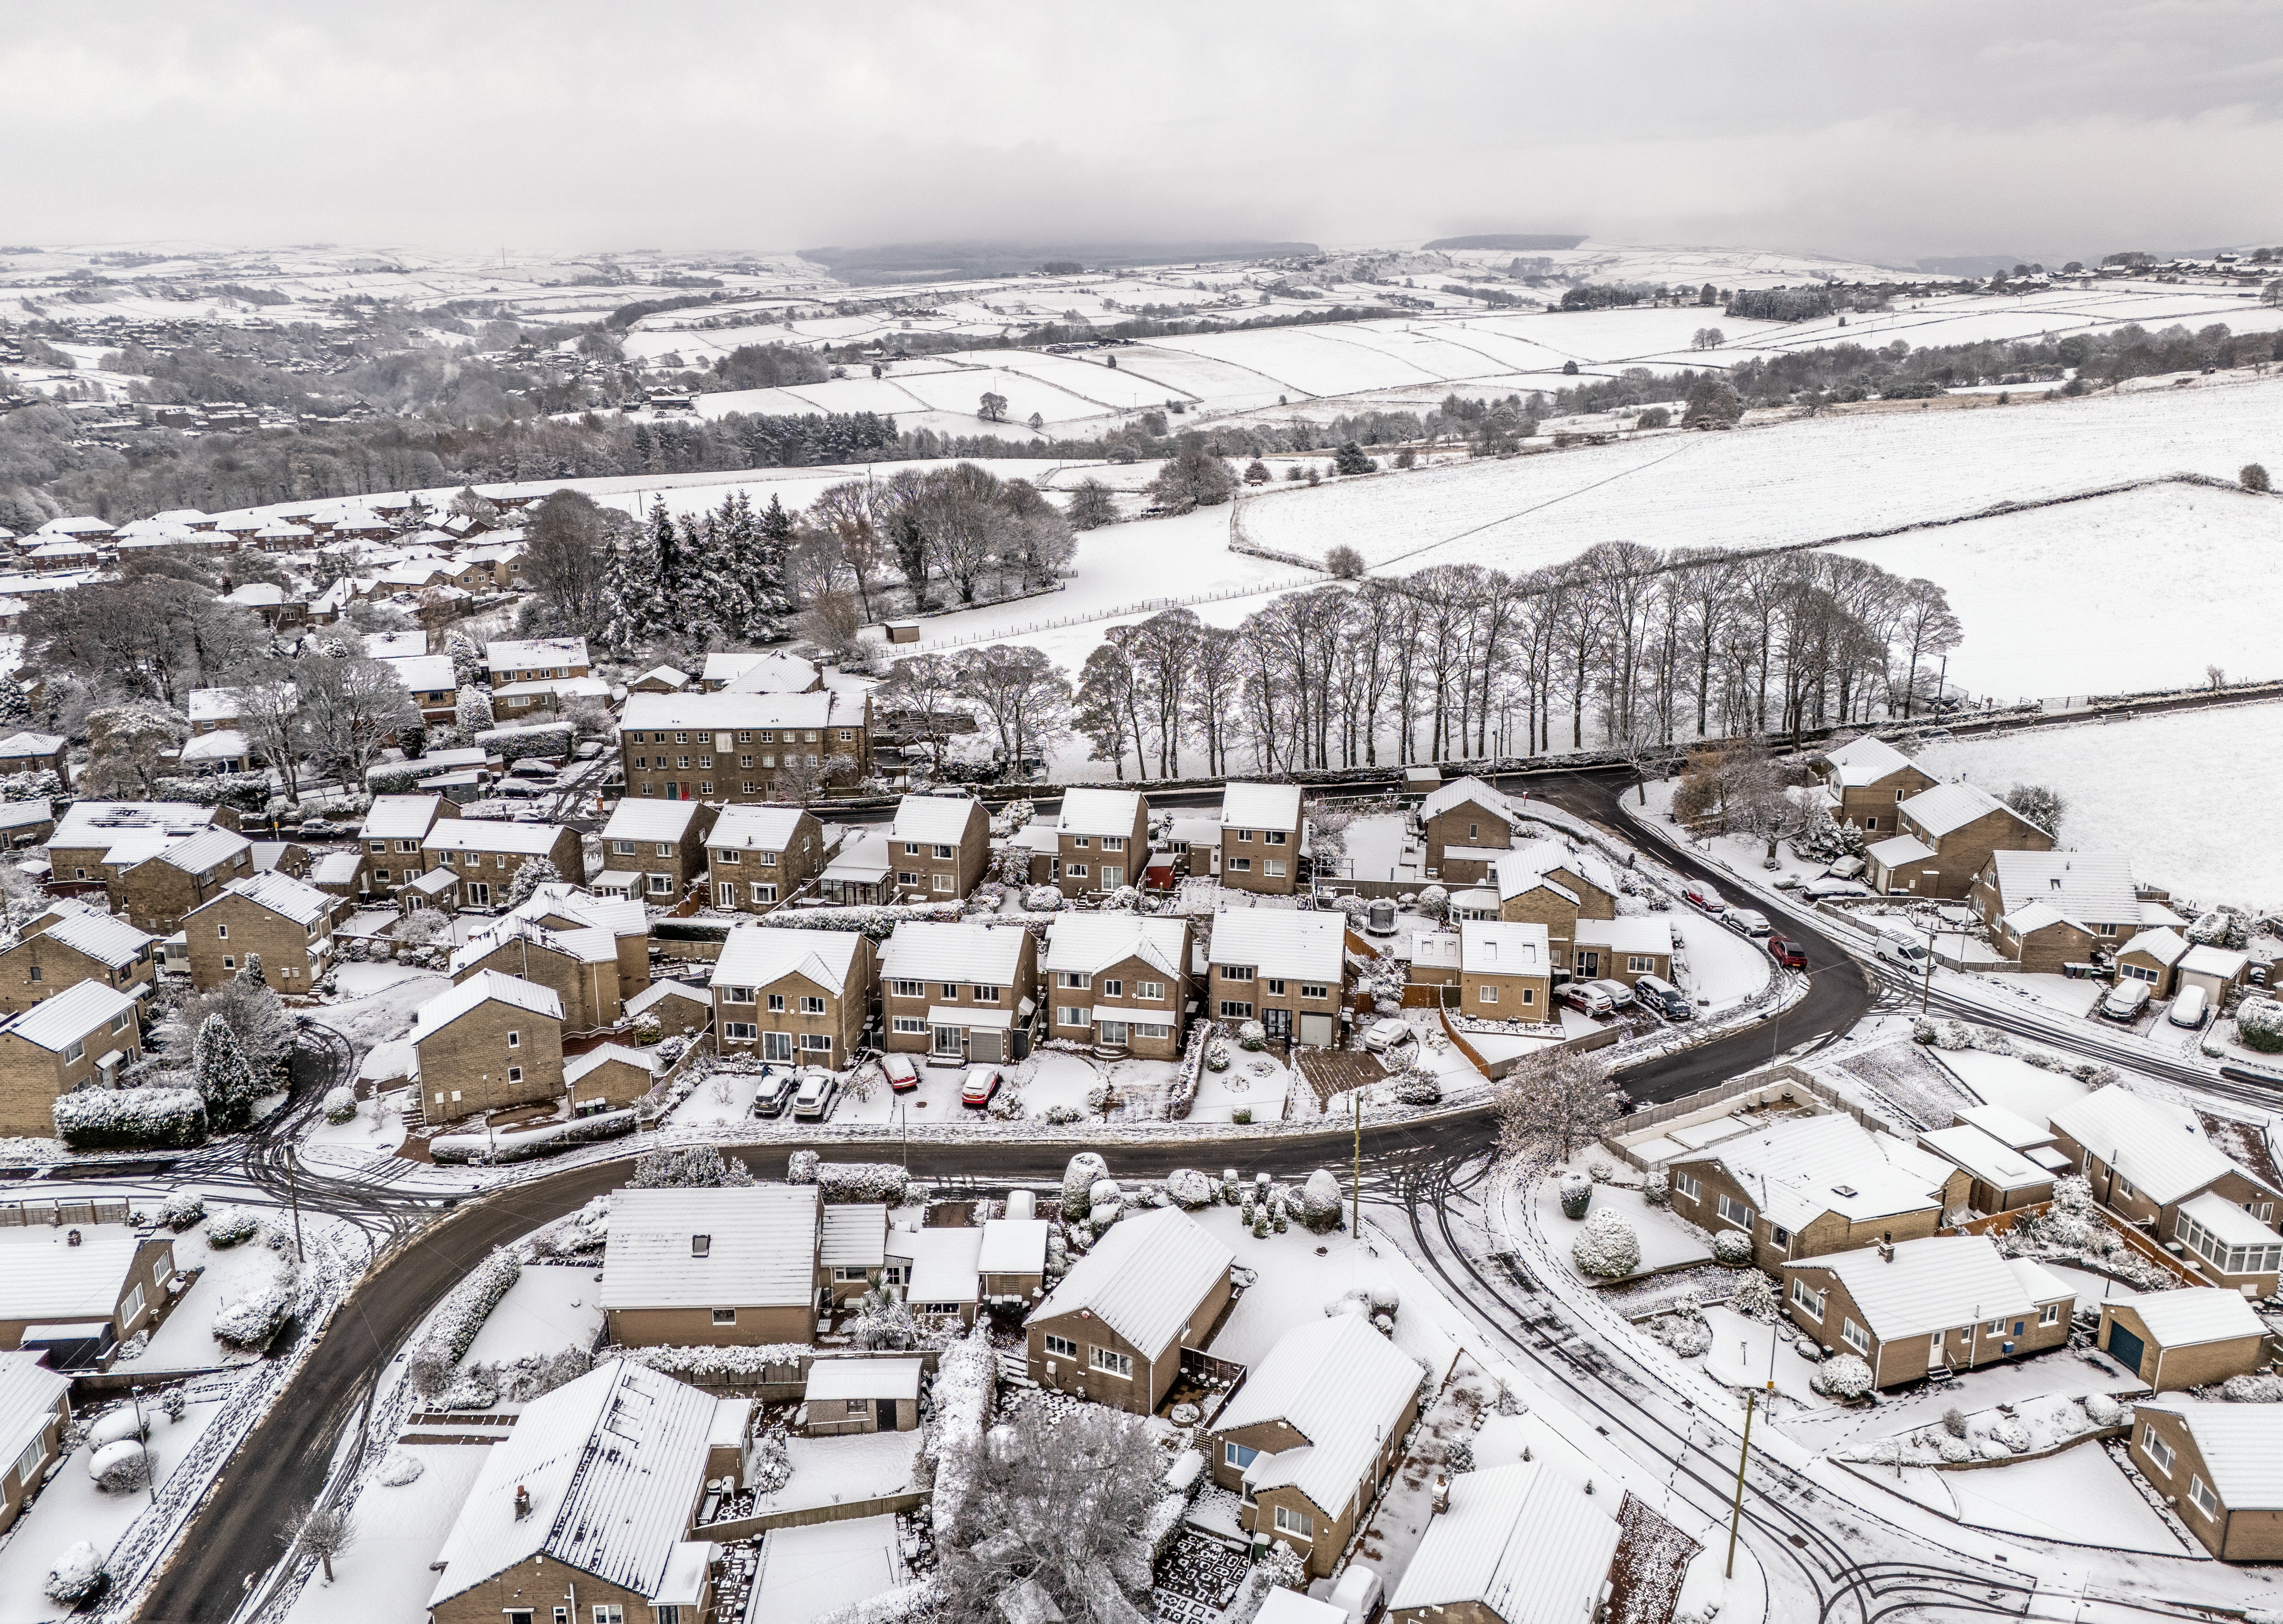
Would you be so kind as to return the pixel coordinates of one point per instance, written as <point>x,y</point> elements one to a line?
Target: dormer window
<point>701,1246</point>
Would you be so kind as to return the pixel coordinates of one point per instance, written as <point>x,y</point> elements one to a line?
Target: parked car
<point>1661,996</point>
<point>773,1093</point>
<point>1788,952</point>
<point>589,749</point>
<point>1703,896</point>
<point>1747,923</point>
<point>903,1073</point>
<point>1620,996</point>
<point>1584,997</point>
<point>818,1093</point>
<point>2128,1002</point>
<point>521,788</point>
<point>2190,1009</point>
<point>1910,954</point>
<point>1385,1034</point>
<point>982,1083</point>
<point>532,767</point>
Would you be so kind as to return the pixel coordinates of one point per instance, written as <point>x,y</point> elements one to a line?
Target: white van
<point>1357,1594</point>
<point>2190,1009</point>
<point>1903,951</point>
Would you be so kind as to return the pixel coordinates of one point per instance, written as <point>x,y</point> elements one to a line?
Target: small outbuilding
<point>2183,1338</point>
<point>859,1396</point>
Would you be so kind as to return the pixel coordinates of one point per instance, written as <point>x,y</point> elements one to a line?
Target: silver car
<point>813,1100</point>
<point>1620,996</point>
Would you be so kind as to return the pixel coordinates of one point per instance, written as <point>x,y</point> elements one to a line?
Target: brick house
<point>158,892</point>
<point>2153,955</point>
<point>1944,837</point>
<point>1285,970</point>
<point>1813,1185</point>
<point>34,1410</point>
<point>79,1286</point>
<point>794,994</point>
<point>737,746</point>
<point>938,847</point>
<point>761,855</point>
<point>574,1507</point>
<point>2195,1338</point>
<point>959,991</point>
<point>1262,836</point>
<point>1944,1301</point>
<point>1538,886</point>
<point>2151,1163</point>
<point>713,1268</point>
<point>1119,981</point>
<point>1622,948</point>
<point>485,1043</point>
<point>579,964</point>
<point>484,854</point>
<point>654,849</point>
<point>2002,1178</point>
<point>87,1034</point>
<point>1113,1328</point>
<point>432,681</point>
<point>1504,973</point>
<point>2050,908</point>
<point>1468,817</point>
<point>393,839</point>
<point>561,906</point>
<point>1313,1433</point>
<point>2215,1462</point>
<point>1102,842</point>
<point>96,842</point>
<point>1866,780</point>
<point>288,922</point>
<point>37,752</point>
<point>508,661</point>
<point>58,948</point>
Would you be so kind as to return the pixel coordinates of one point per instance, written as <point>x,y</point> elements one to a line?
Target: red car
<point>903,1073</point>
<point>1788,952</point>
<point>981,1085</point>
<point>1698,896</point>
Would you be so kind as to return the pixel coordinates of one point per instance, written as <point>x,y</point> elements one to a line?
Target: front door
<point>479,893</point>
<point>947,1039</point>
<point>884,1414</point>
<point>1278,1023</point>
<point>726,893</point>
<point>1589,964</point>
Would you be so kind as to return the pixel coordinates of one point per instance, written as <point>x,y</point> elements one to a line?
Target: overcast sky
<point>1885,131</point>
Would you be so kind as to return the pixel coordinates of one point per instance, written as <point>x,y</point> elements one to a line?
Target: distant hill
<point>1975,264</point>
<point>947,261</point>
<point>1539,241</point>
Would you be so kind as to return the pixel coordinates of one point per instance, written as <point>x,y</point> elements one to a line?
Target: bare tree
<point>802,779</point>
<point>269,715</point>
<point>568,559</point>
<point>321,1531</point>
<point>125,743</point>
<point>927,686</point>
<point>354,707</point>
<point>1553,1106</point>
<point>1019,691</point>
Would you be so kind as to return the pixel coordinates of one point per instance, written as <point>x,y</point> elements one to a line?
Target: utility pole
<point>1926,987</point>
<point>1744,1454</point>
<point>293,1200</point>
<point>1355,1176</point>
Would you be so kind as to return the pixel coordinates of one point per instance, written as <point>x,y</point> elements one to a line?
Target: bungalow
<point>790,995</point>
<point>287,922</point>
<point>1114,1328</point>
<point>487,1043</point>
<point>762,856</point>
<point>2192,1337</point>
<point>392,837</point>
<point>1102,842</point>
<point>577,1508</point>
<point>1314,1433</point>
<point>940,845</point>
<point>80,1288</point>
<point>35,1412</point>
<point>1504,971</point>
<point>2214,1465</point>
<point>86,1035</point>
<point>1941,1303</point>
<point>65,944</point>
<point>960,992</point>
<point>859,1396</point>
<point>1623,949</point>
<point>1286,969</point>
<point>1517,1544</point>
<point>655,849</point>
<point>37,752</point>
<point>941,1277</point>
<point>486,854</point>
<point>1466,824</point>
<point>712,1268</point>
<point>1864,781</point>
<point>2001,1177</point>
<point>1263,836</point>
<point>2050,908</point>
<point>1944,836</point>
<point>224,750</point>
<point>1119,981</point>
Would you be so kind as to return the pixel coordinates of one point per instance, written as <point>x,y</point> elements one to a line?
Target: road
<point>288,1459</point>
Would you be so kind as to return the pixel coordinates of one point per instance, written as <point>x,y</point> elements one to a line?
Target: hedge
<point>131,1118</point>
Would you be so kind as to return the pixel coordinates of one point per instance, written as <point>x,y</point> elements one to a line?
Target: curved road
<point>288,1458</point>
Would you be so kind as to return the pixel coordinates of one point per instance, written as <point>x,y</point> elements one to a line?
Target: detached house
<point>713,1268</point>
<point>37,752</point>
<point>1119,981</point>
<point>65,944</point>
<point>1285,970</point>
<point>938,846</point>
<point>1467,826</point>
<point>794,994</point>
<point>2050,908</point>
<point>430,681</point>
<point>654,849</point>
<point>289,922</point>
<point>80,1288</point>
<point>1542,884</point>
<point>35,1412</point>
<point>1942,1302</point>
<point>85,1035</point>
<point>761,855</point>
<point>97,843</point>
<point>1114,1328</point>
<point>1504,971</point>
<point>393,837</point>
<point>1263,837</point>
<point>2215,1462</point>
<point>1103,841</point>
<point>539,659</point>
<point>1944,836</point>
<point>488,1042</point>
<point>1517,1545</point>
<point>960,992</point>
<point>1865,782</point>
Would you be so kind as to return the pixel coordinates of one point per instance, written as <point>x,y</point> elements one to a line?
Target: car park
<point>1620,996</point>
<point>982,1083</point>
<point>903,1072</point>
<point>2190,1009</point>
<point>1788,952</point>
<point>1747,923</point>
<point>773,1093</point>
<point>814,1099</point>
<point>1584,998</point>
<point>1912,955</point>
<point>1663,996</point>
<point>2128,1003</point>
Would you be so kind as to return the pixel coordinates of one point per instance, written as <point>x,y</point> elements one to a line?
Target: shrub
<point>181,1209</point>
<point>77,1576</point>
<point>1756,1298</point>
<point>1320,1202</point>
<point>1190,1189</point>
<point>1417,1085</point>
<point>2257,1388</point>
<point>2104,1410</point>
<point>1953,1421</point>
<point>340,1104</point>
<point>1844,1377</point>
<point>1241,1116</point>
<point>1078,1179</point>
<point>1733,1247</point>
<point>131,1118</point>
<point>251,1321</point>
<point>1606,1248</point>
<point>2253,477</point>
<point>1576,1195</point>
<point>2259,1023</point>
<point>1658,1189</point>
<point>1656,418</point>
<point>800,1168</point>
<point>231,1226</point>
<point>1252,1037</point>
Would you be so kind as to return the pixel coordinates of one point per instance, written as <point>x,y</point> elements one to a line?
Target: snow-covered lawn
<point>186,1342</point>
<point>385,1574</point>
<point>2004,1080</point>
<point>2177,794</point>
<point>2081,1495</point>
<point>1740,1358</point>
<point>1293,1286</point>
<point>1666,1241</point>
<point>550,1308</point>
<point>1724,968</point>
<point>374,1012</point>
<point>842,1471</point>
<point>807,1573</point>
<point>1256,1084</point>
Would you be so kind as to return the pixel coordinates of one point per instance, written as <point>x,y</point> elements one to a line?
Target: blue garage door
<point>2125,1348</point>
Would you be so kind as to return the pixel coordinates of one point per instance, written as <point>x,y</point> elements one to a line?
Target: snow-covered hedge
<point>800,1167</point>
<point>253,1318</point>
<point>1606,1248</point>
<point>340,1104</point>
<point>497,1149</point>
<point>1733,1247</point>
<point>2256,1388</point>
<point>121,1468</point>
<point>181,1209</point>
<point>716,1365</point>
<point>230,1225</point>
<point>513,744</point>
<point>863,1181</point>
<point>906,1604</point>
<point>1191,1189</point>
<point>123,1421</point>
<point>690,1166</point>
<point>1842,1377</point>
<point>1321,1202</point>
<point>2259,1023</point>
<point>966,1384</point>
<point>461,1315</point>
<point>131,1118</point>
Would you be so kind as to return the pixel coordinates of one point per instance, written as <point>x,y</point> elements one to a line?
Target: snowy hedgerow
<point>1606,1248</point>
<point>863,1181</point>
<point>513,744</point>
<point>461,1315</point>
<point>966,1385</point>
<point>2259,1023</point>
<point>340,1104</point>
<point>181,1209</point>
<point>1042,899</point>
<point>800,1167</point>
<point>78,1575</point>
<point>1321,1202</point>
<point>131,1118</point>
<point>121,1421</point>
<point>257,1315</point>
<point>499,1148</point>
<point>1844,1377</point>
<point>1733,1247</point>
<point>689,1166</point>
<point>1190,1189</point>
<point>2259,1388</point>
<point>1078,1179</point>
<point>229,1226</point>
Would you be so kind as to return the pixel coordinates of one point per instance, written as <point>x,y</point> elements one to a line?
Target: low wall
<point>736,1529</point>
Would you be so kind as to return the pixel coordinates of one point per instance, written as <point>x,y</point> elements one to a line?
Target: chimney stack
<point>1442,1492</point>
<point>1886,1252</point>
<point>522,1503</point>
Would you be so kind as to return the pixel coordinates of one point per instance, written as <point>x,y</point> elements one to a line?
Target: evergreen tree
<point>251,974</point>
<point>15,709</point>
<point>223,1077</point>
<point>534,872</point>
<point>475,710</point>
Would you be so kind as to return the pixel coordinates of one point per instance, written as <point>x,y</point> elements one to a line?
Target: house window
<point>28,1464</point>
<point>907,989</point>
<point>2153,1445</point>
<point>1062,1346</point>
<point>944,883</point>
<point>943,854</point>
<point>724,1316</point>
<point>1640,964</point>
<point>75,1048</point>
<point>1236,972</point>
<point>1855,1337</point>
<point>1070,1014</point>
<point>222,933</point>
<point>986,995</point>
<point>1489,994</point>
<point>816,1042</point>
<point>1080,842</point>
<point>129,1309</point>
<point>1076,871</point>
<point>765,893</point>
<point>2200,1496</point>
<point>1112,1364</point>
<point>515,1074</point>
<point>2049,1315</point>
<point>625,848</point>
<point>609,1613</point>
<point>1275,837</point>
<point>1113,988</point>
<point>1809,1301</point>
<point>776,1003</point>
<point>1274,868</point>
<point>908,1024</point>
<point>1149,991</point>
<point>1237,1455</point>
<point>1688,1187</point>
<point>1077,980</point>
<point>515,1040</point>
<point>1240,865</point>
<point>1235,1009</point>
<point>1296,1523</point>
<point>1529,997</point>
<point>1276,986</point>
<point>744,995</point>
<point>811,1005</point>
<point>1733,1211</point>
<point>738,1031</point>
<point>776,1046</point>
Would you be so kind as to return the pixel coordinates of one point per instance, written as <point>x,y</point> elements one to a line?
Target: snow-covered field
<point>2177,794</point>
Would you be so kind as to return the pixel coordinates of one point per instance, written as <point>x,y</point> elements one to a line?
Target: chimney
<point>522,1503</point>
<point>1886,1252</point>
<point>1442,1492</point>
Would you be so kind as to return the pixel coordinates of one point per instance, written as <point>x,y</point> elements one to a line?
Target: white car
<point>2128,1003</point>
<point>1748,922</point>
<point>2190,1009</point>
<point>1903,951</point>
<point>813,1102</point>
<point>1385,1035</point>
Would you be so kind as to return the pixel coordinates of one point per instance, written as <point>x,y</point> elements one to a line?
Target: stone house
<point>1118,980</point>
<point>35,1411</point>
<point>1465,825</point>
<point>607,1077</point>
<point>1865,781</point>
<point>959,992</point>
<point>1941,1303</point>
<point>80,1288</point>
<point>1944,837</point>
<point>1102,842</point>
<point>938,846</point>
<point>2195,1338</point>
<point>1504,972</point>
<point>2153,955</point>
<point>160,891</point>
<point>65,944</point>
<point>86,1035</point>
<point>484,854</point>
<point>2215,1462</point>
<point>432,681</point>
<point>508,661</point>
<point>677,1007</point>
<point>1312,1434</point>
<point>1518,1543</point>
<point>741,748</point>
<point>485,1043</point>
<point>1287,970</point>
<point>654,849</point>
<point>289,922</point>
<point>580,965</point>
<point>761,855</point>
<point>2001,1177</point>
<point>1113,1328</point>
<point>1263,836</point>
<point>37,752</point>
<point>393,840</point>
<point>789,996</point>
<point>2050,908</point>
<point>1622,948</point>
<point>96,843</point>
<point>26,823</point>
<point>713,1268</point>
<point>1544,884</point>
<point>562,907</point>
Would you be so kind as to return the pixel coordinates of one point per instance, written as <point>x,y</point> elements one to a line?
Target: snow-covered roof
<point>2165,1157</point>
<point>586,945</point>
<point>74,524</point>
<point>1631,933</point>
<point>2206,959</point>
<point>1997,1164</point>
<point>1495,947</point>
<point>726,710</point>
<point>335,868</point>
<point>2166,945</point>
<point>1086,943</point>
<point>760,956</point>
<point>559,901</point>
<point>23,814</point>
<point>1898,850</point>
<point>854,1236</point>
<point>669,676</point>
<point>933,819</point>
<point>2031,917</point>
<point>747,1247</point>
<point>2230,1224</point>
<point>1517,873</point>
<point>770,828</point>
<point>535,653</point>
<point>1934,1283</point>
<point>222,745</point>
<point>29,1392</point>
<point>32,745</point>
<point>942,1264</point>
<point>2154,915</point>
<point>1945,807</point>
<point>55,1023</point>
<point>282,894</point>
<point>1100,811</point>
<point>2086,887</point>
<point>1518,1540</point>
<point>612,1465</point>
<point>560,687</point>
<point>964,950</point>
<point>400,817</point>
<point>493,834</point>
<point>639,820</point>
<point>1436,949</point>
<point>2242,1446</point>
<point>1800,1168</point>
<point>104,936</point>
<point>603,1055</point>
<point>845,1378</point>
<point>2009,1128</point>
<point>658,991</point>
<point>1342,1387</point>
<point>1864,761</point>
<point>1013,1245</point>
<point>397,645</point>
<point>1460,791</point>
<point>44,1276</point>
<point>485,986</point>
<point>1260,806</point>
<point>763,673</point>
<point>1143,1278</point>
<point>422,674</point>
<point>2195,1314</point>
<point>1278,941</point>
<point>213,847</point>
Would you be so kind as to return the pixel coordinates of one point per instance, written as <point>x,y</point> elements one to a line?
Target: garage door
<point>984,1044</point>
<point>2126,1348</point>
<point>1316,1031</point>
